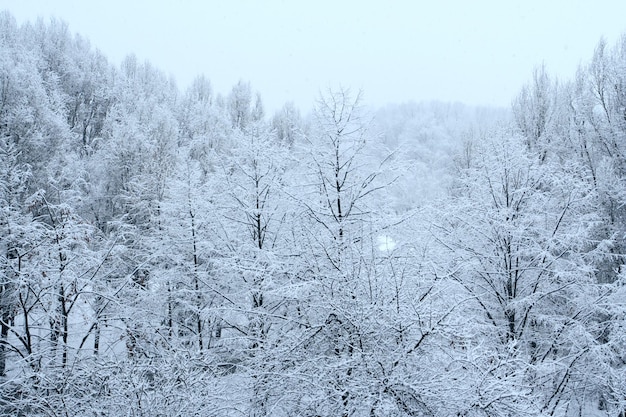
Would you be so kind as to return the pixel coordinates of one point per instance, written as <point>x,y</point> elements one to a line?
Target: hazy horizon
<point>474,53</point>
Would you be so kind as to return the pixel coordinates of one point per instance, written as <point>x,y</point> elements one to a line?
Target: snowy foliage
<point>167,253</point>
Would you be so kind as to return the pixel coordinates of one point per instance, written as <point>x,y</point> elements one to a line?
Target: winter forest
<point>183,253</point>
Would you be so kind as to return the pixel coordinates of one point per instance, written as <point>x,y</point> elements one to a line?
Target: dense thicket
<point>167,253</point>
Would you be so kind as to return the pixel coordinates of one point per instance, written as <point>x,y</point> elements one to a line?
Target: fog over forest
<point>185,253</point>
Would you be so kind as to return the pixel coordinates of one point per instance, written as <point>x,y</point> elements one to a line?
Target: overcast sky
<point>473,51</point>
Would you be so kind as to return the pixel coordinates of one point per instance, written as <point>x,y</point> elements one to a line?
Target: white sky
<point>473,51</point>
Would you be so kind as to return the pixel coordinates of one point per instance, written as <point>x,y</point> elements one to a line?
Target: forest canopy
<point>183,253</point>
